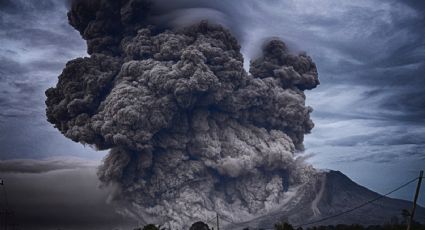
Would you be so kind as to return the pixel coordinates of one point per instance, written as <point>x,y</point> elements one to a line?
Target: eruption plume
<point>190,132</point>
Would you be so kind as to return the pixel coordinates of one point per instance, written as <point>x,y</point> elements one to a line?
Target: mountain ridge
<point>330,194</point>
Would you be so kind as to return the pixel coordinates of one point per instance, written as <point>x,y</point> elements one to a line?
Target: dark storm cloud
<point>36,41</point>
<point>42,38</point>
<point>10,67</point>
<point>29,138</point>
<point>370,107</point>
<point>372,140</point>
<point>375,155</point>
<point>376,46</point>
<point>31,30</point>
<point>393,62</point>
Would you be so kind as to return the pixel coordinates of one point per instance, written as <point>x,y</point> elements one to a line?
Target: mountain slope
<point>329,194</point>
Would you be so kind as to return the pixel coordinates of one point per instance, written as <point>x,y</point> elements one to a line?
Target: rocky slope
<point>331,193</point>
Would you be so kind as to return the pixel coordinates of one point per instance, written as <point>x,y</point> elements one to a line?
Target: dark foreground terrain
<point>285,226</point>
<point>327,203</point>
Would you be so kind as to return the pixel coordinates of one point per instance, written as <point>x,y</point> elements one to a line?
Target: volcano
<point>190,130</point>
<point>329,194</point>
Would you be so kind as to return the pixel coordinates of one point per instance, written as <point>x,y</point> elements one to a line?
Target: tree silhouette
<point>150,227</point>
<point>284,226</point>
<point>199,226</point>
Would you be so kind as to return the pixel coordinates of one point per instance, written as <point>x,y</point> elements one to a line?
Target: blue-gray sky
<point>369,110</point>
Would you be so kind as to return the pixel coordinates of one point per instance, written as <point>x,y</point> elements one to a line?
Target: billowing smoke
<point>190,132</point>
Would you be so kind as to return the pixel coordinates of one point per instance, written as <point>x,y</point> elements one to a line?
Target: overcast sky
<point>369,110</point>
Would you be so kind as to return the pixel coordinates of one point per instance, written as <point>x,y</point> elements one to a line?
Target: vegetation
<point>285,226</point>
<point>372,227</point>
<point>150,227</point>
<point>199,226</point>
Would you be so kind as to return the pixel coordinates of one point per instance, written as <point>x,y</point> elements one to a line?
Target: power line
<point>227,219</point>
<point>332,216</point>
<point>358,206</point>
<point>211,221</point>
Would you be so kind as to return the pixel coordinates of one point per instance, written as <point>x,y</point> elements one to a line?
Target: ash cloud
<point>190,132</point>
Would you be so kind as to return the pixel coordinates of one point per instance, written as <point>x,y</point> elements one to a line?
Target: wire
<point>332,216</point>
<point>226,219</point>
<point>211,221</point>
<point>358,206</point>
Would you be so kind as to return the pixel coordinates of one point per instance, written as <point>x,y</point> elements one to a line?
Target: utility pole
<point>418,187</point>
<point>218,224</point>
<point>3,215</point>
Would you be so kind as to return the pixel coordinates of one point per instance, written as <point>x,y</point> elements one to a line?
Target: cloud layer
<point>45,165</point>
<point>36,41</point>
<point>58,194</point>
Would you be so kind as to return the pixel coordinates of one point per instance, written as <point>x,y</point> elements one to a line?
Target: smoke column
<point>190,132</point>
